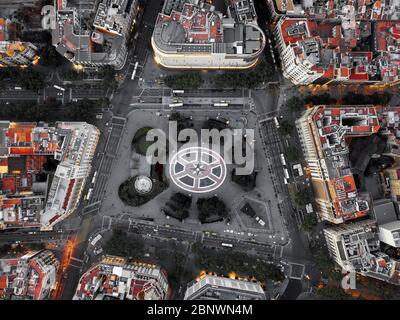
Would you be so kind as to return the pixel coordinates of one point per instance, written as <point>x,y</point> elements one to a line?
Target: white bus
<point>89,194</point>
<point>96,239</point>
<point>178,91</point>
<point>59,88</point>
<point>174,105</point>
<point>134,70</point>
<point>276,122</point>
<point>221,104</point>
<point>286,172</point>
<point>17,88</point>
<point>283,159</point>
<point>229,245</point>
<point>94,177</point>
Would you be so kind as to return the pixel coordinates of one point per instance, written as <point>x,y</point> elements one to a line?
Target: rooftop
<point>84,38</point>
<point>117,278</point>
<point>334,125</point>
<point>30,277</point>
<point>26,199</point>
<point>342,50</point>
<point>359,248</point>
<point>332,9</point>
<point>192,28</point>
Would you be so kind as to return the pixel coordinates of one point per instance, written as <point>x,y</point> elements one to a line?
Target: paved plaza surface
<point>262,198</point>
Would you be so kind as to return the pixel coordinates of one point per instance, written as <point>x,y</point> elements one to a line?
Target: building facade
<point>211,287</point>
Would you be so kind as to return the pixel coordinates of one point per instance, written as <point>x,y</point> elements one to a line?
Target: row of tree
<point>296,104</point>
<point>191,80</point>
<point>121,244</point>
<point>50,111</point>
<point>26,78</point>
<point>241,263</point>
<point>253,78</point>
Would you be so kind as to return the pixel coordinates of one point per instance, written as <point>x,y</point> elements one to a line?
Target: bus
<point>96,239</point>
<point>229,245</point>
<point>178,91</point>
<point>283,159</point>
<point>286,172</point>
<point>174,105</point>
<point>276,122</point>
<point>134,70</point>
<point>59,88</point>
<point>221,104</point>
<point>89,194</point>
<point>94,177</point>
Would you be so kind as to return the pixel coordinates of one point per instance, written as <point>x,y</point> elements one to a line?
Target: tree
<point>247,182</point>
<point>285,128</point>
<point>108,75</point>
<point>26,111</point>
<point>211,209</point>
<point>49,57</point>
<point>184,81</point>
<point>292,154</point>
<point>302,198</point>
<point>253,78</point>
<point>295,104</point>
<point>139,142</point>
<point>128,194</point>
<point>239,262</point>
<point>376,98</point>
<point>182,122</point>
<point>182,199</point>
<point>83,110</point>
<point>336,293</point>
<point>310,221</point>
<point>120,244</point>
<point>323,98</point>
<point>30,79</point>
